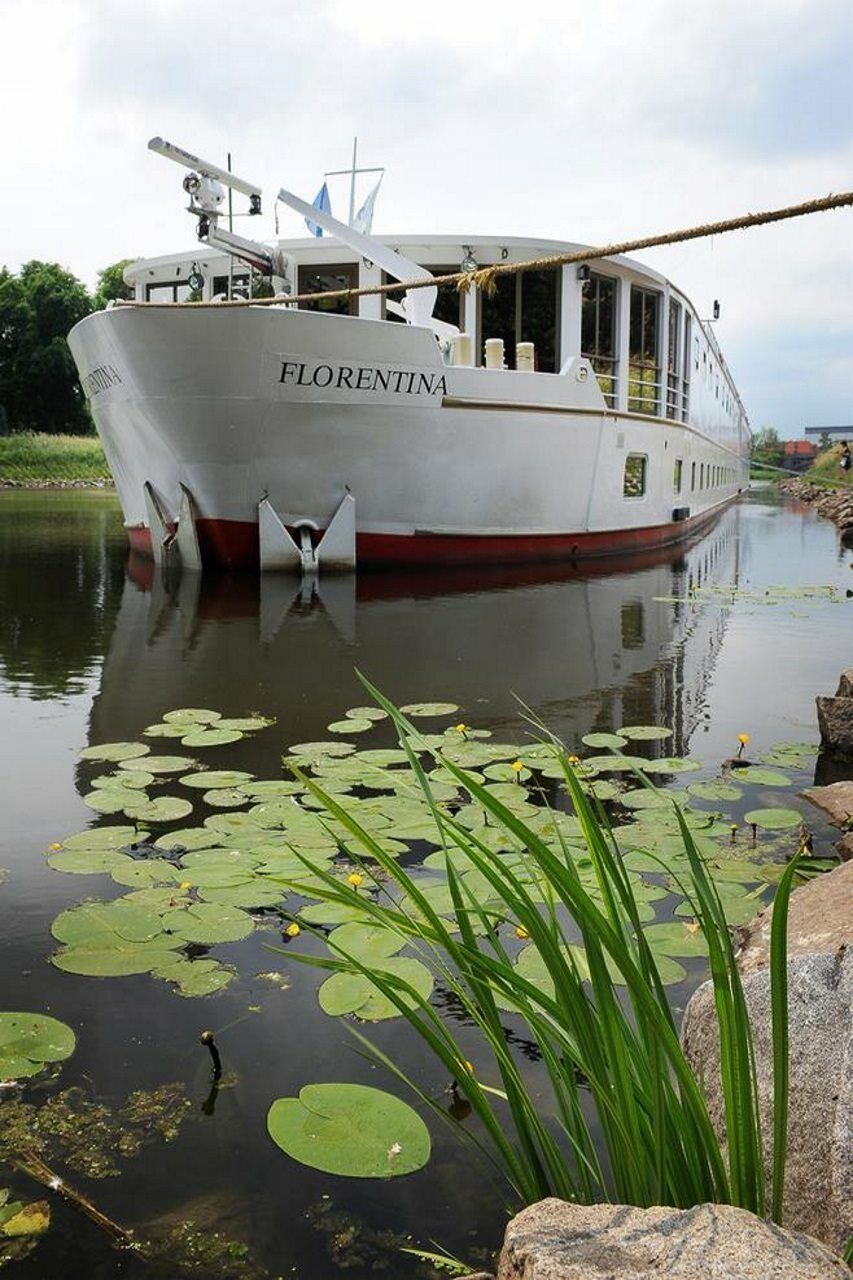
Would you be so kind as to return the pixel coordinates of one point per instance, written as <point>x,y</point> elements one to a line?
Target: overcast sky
<point>589,121</point>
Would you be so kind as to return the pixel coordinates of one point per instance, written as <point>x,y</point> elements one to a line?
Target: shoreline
<point>55,484</point>
<point>833,503</point>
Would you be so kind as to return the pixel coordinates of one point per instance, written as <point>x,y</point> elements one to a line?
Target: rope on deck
<point>485,277</point>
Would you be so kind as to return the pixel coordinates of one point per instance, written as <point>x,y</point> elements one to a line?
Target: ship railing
<point>605,369</point>
<point>644,388</point>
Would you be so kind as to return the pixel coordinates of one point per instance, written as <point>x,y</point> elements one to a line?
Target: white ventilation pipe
<point>525,356</point>
<point>462,350</point>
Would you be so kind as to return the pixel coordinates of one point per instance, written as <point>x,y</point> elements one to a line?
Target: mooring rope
<point>484,277</point>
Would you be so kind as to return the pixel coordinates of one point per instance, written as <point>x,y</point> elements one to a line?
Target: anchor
<point>281,553</point>
<point>174,542</point>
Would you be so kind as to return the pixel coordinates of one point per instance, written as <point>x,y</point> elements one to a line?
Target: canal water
<point>94,646</point>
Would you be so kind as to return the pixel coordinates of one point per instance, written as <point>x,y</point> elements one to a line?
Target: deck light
<point>469,262</point>
<point>583,273</point>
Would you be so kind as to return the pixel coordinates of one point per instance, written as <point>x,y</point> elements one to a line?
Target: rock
<point>820,920</point>
<point>553,1240</point>
<point>836,801</point>
<point>835,721</point>
<point>845,684</point>
<point>819,1177</point>
<point>844,847</point>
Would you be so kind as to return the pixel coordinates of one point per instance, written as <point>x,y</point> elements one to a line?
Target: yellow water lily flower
<point>355,879</point>
<point>185,884</point>
<point>55,846</point>
<point>521,932</point>
<point>293,930</point>
<point>743,738</point>
<point>460,728</point>
<point>574,760</point>
<point>516,766</point>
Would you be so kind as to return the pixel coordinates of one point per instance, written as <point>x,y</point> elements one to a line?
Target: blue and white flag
<point>322,202</point>
<point>363,220</point>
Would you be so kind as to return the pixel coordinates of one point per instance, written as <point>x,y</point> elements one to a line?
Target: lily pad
<point>163,764</point>
<point>355,992</point>
<point>645,732</point>
<point>209,922</point>
<point>113,799</point>
<point>86,862</point>
<point>225,798</point>
<point>350,1130</point>
<point>202,977</point>
<point>160,809</point>
<point>364,941</point>
<point>350,726</point>
<point>115,752</point>
<point>601,741</point>
<point>366,713</point>
<point>762,777</point>
<point>774,819</point>
<point>427,709</point>
<point>143,873</point>
<point>29,1041</point>
<point>715,791</point>
<point>212,779</point>
<point>103,838</point>
<point>672,764</point>
<point>214,737</point>
<point>192,715</point>
<point>135,780</point>
<point>246,724</point>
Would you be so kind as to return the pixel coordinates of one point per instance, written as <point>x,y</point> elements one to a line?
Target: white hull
<point>443,462</point>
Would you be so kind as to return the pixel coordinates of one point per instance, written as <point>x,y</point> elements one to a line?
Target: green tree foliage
<point>825,441</point>
<point>111,285</point>
<point>768,448</point>
<point>39,389</point>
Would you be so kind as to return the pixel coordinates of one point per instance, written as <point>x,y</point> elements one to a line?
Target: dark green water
<point>93,647</point>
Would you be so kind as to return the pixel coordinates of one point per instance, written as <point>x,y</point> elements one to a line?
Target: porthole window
<point>634,481</point>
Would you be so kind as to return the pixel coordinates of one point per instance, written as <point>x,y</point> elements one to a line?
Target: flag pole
<point>352,180</point>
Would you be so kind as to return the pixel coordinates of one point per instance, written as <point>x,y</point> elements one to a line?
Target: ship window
<point>239,285</point>
<point>677,475</point>
<point>598,331</point>
<point>643,368</point>
<point>327,279</point>
<point>523,308</point>
<point>692,476</point>
<point>673,361</point>
<point>168,291</point>
<point>685,386</point>
<point>701,475</point>
<point>634,480</point>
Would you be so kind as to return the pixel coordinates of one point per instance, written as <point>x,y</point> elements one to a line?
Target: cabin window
<point>677,474</point>
<point>692,476</point>
<point>634,480</point>
<point>168,291</point>
<point>327,279</point>
<point>239,285</point>
<point>598,331</point>
<point>685,385</point>
<point>643,368</point>
<point>673,361</point>
<point>701,475</point>
<point>524,308</point>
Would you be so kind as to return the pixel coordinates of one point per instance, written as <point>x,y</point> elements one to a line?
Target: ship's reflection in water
<point>589,647</point>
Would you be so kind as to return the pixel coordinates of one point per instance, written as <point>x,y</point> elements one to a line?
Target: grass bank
<point>826,470</point>
<point>33,459</point>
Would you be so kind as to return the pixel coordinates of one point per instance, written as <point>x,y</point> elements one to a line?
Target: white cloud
<point>568,120</point>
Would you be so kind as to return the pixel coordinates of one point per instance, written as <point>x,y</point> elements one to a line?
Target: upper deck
<point>652,353</point>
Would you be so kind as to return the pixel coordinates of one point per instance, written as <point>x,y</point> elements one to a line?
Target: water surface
<point>94,646</point>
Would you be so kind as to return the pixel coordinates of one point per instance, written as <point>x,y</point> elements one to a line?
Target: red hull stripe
<point>233,544</point>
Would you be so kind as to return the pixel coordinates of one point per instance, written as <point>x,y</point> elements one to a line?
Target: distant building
<point>799,454</point>
<point>836,434</point>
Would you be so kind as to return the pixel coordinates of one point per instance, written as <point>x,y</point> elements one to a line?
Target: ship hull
<point>445,464</point>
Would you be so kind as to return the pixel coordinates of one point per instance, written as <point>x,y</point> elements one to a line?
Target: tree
<point>825,440</point>
<point>767,448</point>
<point>111,285</point>
<point>39,389</point>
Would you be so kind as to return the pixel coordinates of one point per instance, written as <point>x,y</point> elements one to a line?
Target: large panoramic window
<point>634,480</point>
<point>327,279</point>
<point>643,366</point>
<point>524,308</point>
<point>685,385</point>
<point>449,304</point>
<point>598,331</point>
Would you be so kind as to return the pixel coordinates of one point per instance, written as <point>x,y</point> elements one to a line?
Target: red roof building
<point>800,449</point>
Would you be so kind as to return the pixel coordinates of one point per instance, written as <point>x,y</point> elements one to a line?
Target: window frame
<point>642,458</point>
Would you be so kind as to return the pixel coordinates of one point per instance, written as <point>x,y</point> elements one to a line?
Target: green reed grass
<point>624,1117</point>
<point>33,458</point>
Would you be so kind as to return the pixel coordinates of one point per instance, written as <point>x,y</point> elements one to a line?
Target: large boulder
<point>835,721</point>
<point>819,1178</point>
<point>835,800</point>
<point>553,1240</point>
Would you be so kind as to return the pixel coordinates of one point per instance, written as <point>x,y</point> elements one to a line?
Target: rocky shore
<point>55,484</point>
<point>834,504</point>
